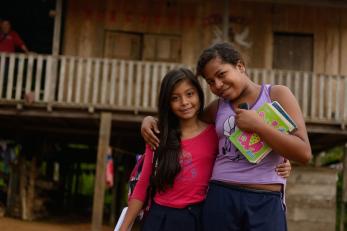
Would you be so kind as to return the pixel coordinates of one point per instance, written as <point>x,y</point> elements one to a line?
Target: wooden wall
<point>311,199</point>
<point>198,24</point>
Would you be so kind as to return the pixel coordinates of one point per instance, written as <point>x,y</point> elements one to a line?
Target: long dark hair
<point>225,51</point>
<point>168,153</point>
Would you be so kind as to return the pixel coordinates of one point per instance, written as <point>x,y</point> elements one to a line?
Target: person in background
<point>9,39</point>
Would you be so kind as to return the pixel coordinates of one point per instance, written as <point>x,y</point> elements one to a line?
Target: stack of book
<point>250,144</point>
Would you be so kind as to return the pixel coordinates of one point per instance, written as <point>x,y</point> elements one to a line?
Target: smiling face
<point>225,80</point>
<point>184,101</point>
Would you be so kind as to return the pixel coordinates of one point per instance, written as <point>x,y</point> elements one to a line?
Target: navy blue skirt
<point>162,218</point>
<point>231,208</point>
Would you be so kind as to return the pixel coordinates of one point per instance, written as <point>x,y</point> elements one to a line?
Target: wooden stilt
<point>344,190</point>
<point>22,188</point>
<point>31,190</point>
<point>99,185</point>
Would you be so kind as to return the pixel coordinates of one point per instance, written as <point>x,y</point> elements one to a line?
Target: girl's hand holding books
<point>248,120</point>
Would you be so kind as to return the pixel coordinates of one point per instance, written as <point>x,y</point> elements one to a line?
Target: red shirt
<point>190,185</point>
<point>9,42</point>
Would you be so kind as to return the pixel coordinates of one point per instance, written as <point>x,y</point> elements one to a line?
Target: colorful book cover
<point>250,144</point>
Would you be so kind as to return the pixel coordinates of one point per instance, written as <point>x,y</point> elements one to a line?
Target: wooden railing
<point>133,85</point>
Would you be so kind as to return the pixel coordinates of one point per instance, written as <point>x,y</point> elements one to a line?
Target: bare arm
<point>295,146</point>
<point>134,207</point>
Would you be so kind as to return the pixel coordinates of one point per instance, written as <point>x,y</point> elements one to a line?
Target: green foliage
<point>332,156</point>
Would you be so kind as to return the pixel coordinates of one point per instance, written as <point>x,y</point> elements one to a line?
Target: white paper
<point>121,219</point>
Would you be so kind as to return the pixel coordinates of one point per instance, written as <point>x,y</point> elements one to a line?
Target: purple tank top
<point>231,165</point>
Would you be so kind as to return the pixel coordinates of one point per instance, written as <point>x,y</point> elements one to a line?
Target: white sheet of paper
<point>120,220</point>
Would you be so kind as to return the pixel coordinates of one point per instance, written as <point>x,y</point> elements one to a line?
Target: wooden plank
<point>130,81</point>
<point>163,70</point>
<point>264,76</point>
<point>29,76</point>
<point>146,82</point>
<point>10,77</point>
<point>62,79</point>
<point>305,95</point>
<point>22,188</point>
<point>96,81</point>
<point>121,92</point>
<point>344,189</point>
<point>57,27</point>
<point>78,89</point>
<point>337,97</point>
<point>138,84</point>
<point>288,77</point>
<point>3,58</point>
<point>313,96</point>
<point>280,77</point>
<point>154,87</point>
<point>297,86</point>
<point>38,77</point>
<point>88,77</point>
<point>344,183</point>
<point>321,97</point>
<point>70,79</point>
<point>48,80</point>
<point>19,83</point>
<point>255,76</point>
<point>31,189</point>
<point>345,102</point>
<point>104,80</point>
<point>113,81</point>
<point>329,92</point>
<point>272,77</point>
<point>99,185</point>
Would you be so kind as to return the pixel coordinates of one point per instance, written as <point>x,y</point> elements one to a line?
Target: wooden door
<point>122,45</point>
<point>293,51</point>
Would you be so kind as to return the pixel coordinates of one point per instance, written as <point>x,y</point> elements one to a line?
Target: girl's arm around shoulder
<point>295,146</point>
<point>210,111</point>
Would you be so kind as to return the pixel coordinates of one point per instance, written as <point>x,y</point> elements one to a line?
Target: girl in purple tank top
<point>245,196</point>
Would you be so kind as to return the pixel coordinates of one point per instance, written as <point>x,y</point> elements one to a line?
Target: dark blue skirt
<point>232,208</point>
<point>162,218</point>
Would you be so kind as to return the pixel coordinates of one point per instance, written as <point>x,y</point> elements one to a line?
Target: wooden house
<point>108,57</point>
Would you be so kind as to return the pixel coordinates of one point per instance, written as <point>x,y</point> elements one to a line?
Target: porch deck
<point>65,86</point>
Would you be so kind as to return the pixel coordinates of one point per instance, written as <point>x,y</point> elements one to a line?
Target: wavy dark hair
<point>168,153</point>
<point>223,50</point>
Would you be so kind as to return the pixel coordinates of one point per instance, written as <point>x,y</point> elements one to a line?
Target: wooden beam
<point>31,190</point>
<point>226,21</point>
<point>344,190</point>
<point>22,187</point>
<point>124,117</point>
<point>57,27</point>
<point>99,185</point>
<point>327,3</point>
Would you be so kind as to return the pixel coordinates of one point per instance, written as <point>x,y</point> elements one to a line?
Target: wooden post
<point>57,27</point>
<point>344,190</point>
<point>99,185</point>
<point>226,21</point>
<point>31,190</point>
<point>22,190</point>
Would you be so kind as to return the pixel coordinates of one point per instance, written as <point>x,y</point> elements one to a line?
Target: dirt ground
<point>11,224</point>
